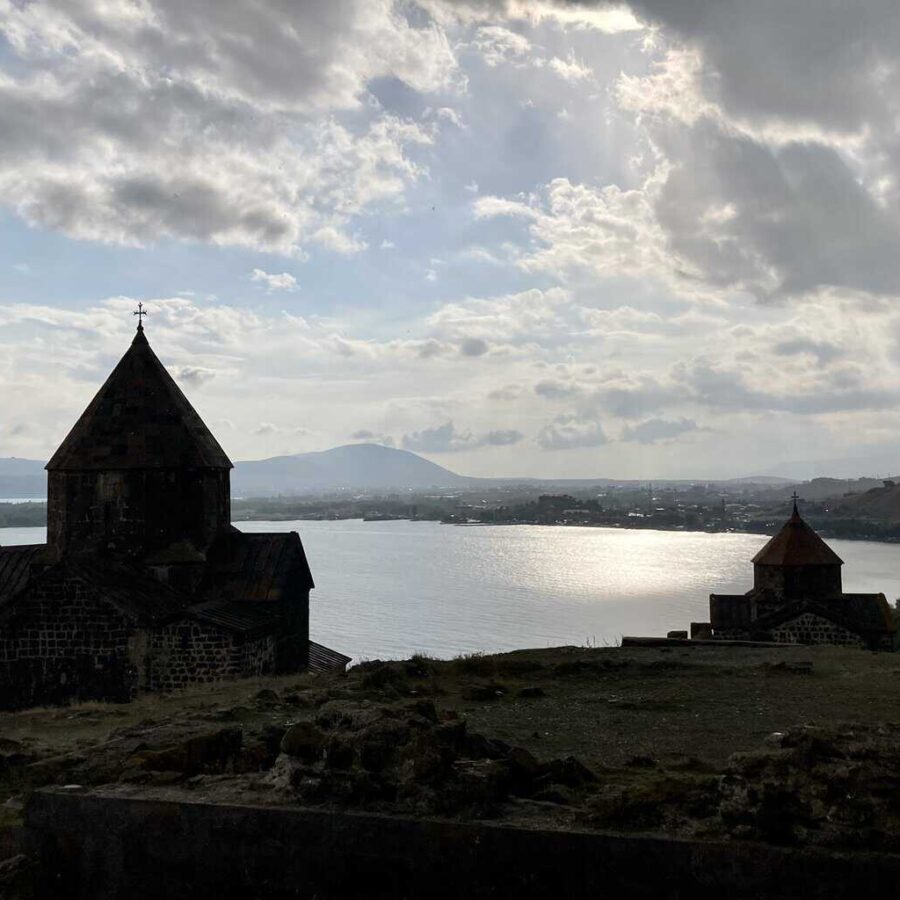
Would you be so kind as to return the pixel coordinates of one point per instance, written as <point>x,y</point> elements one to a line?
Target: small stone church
<point>798,598</point>
<point>144,584</point>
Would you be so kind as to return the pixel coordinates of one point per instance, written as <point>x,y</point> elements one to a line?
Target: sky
<point>518,237</point>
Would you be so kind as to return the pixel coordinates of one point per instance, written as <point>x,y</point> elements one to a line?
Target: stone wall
<point>189,652</point>
<point>808,628</point>
<point>795,583</point>
<point>103,845</point>
<point>65,643</point>
<point>136,511</point>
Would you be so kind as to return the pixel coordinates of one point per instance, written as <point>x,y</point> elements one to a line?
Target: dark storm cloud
<point>447,439</point>
<point>795,217</point>
<point>570,432</point>
<point>473,347</point>
<point>654,430</point>
<point>821,350</point>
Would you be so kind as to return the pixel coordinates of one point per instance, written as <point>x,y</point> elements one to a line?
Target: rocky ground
<point>792,746</point>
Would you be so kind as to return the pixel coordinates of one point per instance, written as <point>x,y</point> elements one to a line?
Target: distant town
<point>695,507</point>
<point>376,483</point>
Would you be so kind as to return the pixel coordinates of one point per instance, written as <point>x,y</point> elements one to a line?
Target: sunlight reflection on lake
<point>389,589</point>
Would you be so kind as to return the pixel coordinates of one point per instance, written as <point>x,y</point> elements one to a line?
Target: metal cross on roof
<point>795,497</point>
<point>140,312</point>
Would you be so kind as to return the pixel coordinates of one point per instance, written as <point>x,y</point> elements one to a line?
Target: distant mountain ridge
<point>360,466</point>
<point>22,478</point>
<point>363,467</point>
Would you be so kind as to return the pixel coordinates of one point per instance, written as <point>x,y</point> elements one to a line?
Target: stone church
<point>144,584</point>
<point>798,597</point>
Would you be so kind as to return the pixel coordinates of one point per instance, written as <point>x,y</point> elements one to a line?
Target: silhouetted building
<point>143,583</point>
<point>797,597</point>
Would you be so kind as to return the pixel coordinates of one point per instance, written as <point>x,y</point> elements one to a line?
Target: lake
<point>390,589</point>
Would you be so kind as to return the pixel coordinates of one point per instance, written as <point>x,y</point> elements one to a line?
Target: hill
<point>880,504</point>
<point>20,478</point>
<point>352,466</point>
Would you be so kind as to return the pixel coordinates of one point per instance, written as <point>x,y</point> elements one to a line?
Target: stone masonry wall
<point>809,628</point>
<point>189,652</point>
<point>65,643</point>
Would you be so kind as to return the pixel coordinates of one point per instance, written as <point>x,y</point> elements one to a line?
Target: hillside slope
<point>353,466</point>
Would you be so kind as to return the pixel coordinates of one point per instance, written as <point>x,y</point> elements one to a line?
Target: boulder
<point>210,752</point>
<point>304,740</point>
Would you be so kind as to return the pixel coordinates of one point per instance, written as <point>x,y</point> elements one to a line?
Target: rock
<point>482,692</point>
<point>480,783</point>
<point>201,753</point>
<point>13,754</point>
<point>304,740</point>
<point>801,667</point>
<point>523,766</point>
<point>54,769</point>
<point>18,876</point>
<point>233,714</point>
<point>266,697</point>
<point>452,735</point>
<point>379,745</point>
<point>480,747</point>
<point>529,693</point>
<point>557,793</point>
<point>339,752</point>
<point>423,708</point>
<point>569,771</point>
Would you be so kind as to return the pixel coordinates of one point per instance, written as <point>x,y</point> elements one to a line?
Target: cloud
<point>654,430</point>
<point>606,18</point>
<point>473,347</point>
<point>245,99</point>
<point>193,375</point>
<point>508,318</point>
<point>767,163</point>
<point>569,432</point>
<point>447,439</point>
<point>823,351</point>
<point>498,45</point>
<point>570,69</point>
<point>501,438</point>
<point>265,429</point>
<point>555,390</point>
<point>372,437</point>
<point>283,282</point>
<point>505,394</point>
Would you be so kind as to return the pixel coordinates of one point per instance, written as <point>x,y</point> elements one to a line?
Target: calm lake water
<point>390,589</point>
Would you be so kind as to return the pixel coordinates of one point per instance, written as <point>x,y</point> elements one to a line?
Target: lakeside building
<point>144,584</point>
<point>798,597</point>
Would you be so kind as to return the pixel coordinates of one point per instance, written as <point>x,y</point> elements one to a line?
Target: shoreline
<point>821,528</point>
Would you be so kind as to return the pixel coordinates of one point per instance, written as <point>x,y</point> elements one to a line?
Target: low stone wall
<point>96,845</point>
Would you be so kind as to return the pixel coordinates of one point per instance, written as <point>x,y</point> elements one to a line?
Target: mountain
<point>882,504</point>
<point>353,466</point>
<point>21,478</point>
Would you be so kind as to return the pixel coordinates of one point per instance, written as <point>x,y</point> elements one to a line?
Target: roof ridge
<point>797,544</point>
<point>139,419</point>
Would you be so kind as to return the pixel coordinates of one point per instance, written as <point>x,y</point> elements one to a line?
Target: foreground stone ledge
<point>115,844</point>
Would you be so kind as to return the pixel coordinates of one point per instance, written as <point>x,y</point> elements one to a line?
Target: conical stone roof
<point>797,545</point>
<point>139,419</point>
